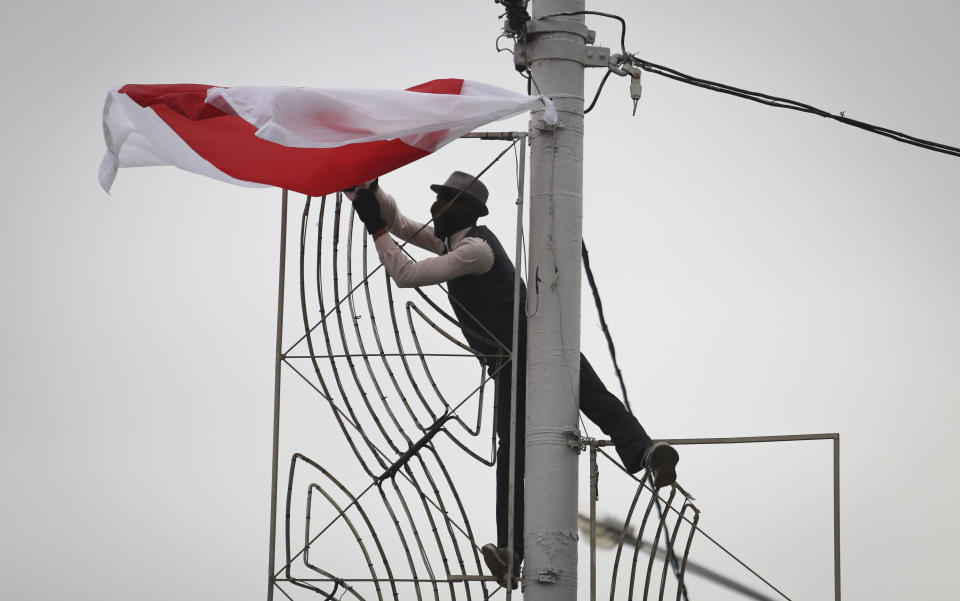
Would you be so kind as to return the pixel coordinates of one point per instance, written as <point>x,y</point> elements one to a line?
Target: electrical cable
<point>760,97</point>
<point>794,105</point>
<point>599,89</point>
<point>496,43</point>
<point>623,387</point>
<point>603,322</point>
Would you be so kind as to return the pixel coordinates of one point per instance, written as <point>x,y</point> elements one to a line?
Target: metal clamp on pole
<point>554,25</point>
<point>579,443</point>
<point>527,53</point>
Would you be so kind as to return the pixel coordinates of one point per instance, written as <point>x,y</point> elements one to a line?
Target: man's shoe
<point>496,559</point>
<point>661,459</point>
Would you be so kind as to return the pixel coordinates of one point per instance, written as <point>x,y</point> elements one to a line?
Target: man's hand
<point>371,185</point>
<point>367,206</point>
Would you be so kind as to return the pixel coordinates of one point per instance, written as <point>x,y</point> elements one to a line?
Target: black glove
<point>371,185</point>
<point>367,206</point>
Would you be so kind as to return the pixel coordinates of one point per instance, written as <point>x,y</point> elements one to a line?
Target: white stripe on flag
<point>332,117</point>
<point>137,137</point>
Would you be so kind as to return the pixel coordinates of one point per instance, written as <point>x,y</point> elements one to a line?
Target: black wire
<point>623,24</point>
<point>623,43</point>
<point>794,105</point>
<point>496,44</point>
<point>623,389</point>
<point>603,322</point>
<point>599,89</point>
<point>760,97</point>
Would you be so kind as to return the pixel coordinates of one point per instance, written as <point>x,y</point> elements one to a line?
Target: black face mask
<point>457,216</point>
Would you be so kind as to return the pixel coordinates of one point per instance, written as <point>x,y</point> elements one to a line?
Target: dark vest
<point>484,303</point>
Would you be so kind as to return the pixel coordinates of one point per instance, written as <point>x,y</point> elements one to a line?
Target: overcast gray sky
<point>763,271</point>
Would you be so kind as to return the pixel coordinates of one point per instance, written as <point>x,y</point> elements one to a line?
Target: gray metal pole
<point>555,52</point>
<point>594,493</point>
<point>511,519</point>
<point>278,358</point>
<point>836,517</point>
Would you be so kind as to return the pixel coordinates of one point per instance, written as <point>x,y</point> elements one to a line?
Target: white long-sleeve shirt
<point>467,256</point>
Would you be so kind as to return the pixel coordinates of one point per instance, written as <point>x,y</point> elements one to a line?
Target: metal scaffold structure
<point>372,365</point>
<point>388,520</point>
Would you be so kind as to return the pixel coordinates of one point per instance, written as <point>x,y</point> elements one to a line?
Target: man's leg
<point>503,461</point>
<point>606,410</point>
<point>497,557</point>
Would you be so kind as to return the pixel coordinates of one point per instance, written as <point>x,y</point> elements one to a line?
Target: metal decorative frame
<point>424,541</point>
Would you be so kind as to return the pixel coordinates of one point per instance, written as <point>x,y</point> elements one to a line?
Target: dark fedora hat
<point>473,189</point>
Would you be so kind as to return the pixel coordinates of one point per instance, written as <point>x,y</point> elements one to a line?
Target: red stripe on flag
<point>188,99</point>
<point>230,144</point>
<point>439,86</point>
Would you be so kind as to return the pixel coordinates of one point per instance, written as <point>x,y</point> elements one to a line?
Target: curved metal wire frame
<point>439,522</point>
<point>440,507</point>
<point>414,558</point>
<point>356,535</point>
<point>338,314</point>
<point>643,485</point>
<point>437,525</point>
<point>309,335</point>
<point>354,502</point>
<point>337,411</point>
<point>672,542</point>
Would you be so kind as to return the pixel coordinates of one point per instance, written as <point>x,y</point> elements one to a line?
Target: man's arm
<point>471,256</point>
<point>405,228</point>
<point>380,215</point>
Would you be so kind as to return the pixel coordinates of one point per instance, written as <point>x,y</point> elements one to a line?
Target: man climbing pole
<point>480,285</point>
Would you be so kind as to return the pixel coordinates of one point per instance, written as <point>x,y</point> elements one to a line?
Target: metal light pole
<point>277,364</point>
<point>556,51</point>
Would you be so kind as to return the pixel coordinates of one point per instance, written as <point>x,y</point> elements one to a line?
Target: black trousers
<point>596,402</point>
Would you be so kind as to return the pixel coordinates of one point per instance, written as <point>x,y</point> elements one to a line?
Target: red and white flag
<point>310,140</point>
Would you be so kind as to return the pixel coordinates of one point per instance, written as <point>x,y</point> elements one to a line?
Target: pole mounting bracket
<point>577,442</point>
<point>553,25</point>
<point>526,53</point>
